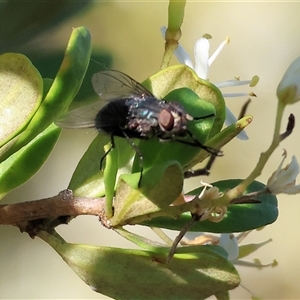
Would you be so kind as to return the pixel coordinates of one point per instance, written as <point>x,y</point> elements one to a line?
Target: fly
<point>133,112</point>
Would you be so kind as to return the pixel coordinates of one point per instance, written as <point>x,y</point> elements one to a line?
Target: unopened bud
<point>288,90</point>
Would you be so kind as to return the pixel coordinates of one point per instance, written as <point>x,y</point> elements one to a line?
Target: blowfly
<point>130,111</point>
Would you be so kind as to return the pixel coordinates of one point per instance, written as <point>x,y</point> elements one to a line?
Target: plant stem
<point>170,46</point>
<point>50,208</point>
<point>264,157</point>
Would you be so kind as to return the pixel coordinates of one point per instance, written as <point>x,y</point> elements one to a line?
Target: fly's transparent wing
<point>109,85</point>
<point>112,84</point>
<point>82,117</point>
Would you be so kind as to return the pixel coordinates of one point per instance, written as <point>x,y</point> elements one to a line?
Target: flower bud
<point>288,90</point>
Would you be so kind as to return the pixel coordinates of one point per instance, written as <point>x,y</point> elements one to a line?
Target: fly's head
<point>173,119</point>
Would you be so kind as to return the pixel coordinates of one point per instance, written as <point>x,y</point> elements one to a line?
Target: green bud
<point>288,90</point>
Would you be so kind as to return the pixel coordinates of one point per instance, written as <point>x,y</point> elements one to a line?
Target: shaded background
<point>265,39</point>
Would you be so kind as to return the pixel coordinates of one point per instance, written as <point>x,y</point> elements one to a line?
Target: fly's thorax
<point>143,116</point>
<point>149,117</point>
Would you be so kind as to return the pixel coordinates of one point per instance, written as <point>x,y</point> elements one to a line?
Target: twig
<point>181,234</point>
<point>63,204</point>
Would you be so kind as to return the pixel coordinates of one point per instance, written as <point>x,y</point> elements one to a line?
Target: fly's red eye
<point>166,120</point>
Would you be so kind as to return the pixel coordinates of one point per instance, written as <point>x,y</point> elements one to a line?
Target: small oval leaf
<point>20,166</point>
<point>21,90</point>
<point>138,274</point>
<point>87,179</point>
<point>63,89</point>
<point>161,185</point>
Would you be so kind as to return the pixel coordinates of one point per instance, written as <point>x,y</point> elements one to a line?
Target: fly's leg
<point>205,117</point>
<point>135,148</point>
<point>112,142</point>
<point>202,171</point>
<point>196,143</point>
<point>139,153</point>
<point>210,150</point>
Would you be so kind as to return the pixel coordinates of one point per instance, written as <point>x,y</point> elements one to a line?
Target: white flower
<point>213,214</point>
<point>201,67</point>
<point>288,90</point>
<point>283,180</point>
<point>230,243</point>
<point>227,241</point>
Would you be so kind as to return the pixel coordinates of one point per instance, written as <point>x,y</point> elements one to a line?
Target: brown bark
<point>63,204</point>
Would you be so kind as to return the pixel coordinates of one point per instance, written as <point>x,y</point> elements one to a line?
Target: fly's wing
<point>112,84</point>
<point>109,85</point>
<point>82,117</point>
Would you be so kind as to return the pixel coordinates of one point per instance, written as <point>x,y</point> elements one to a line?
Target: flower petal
<point>230,244</point>
<point>288,174</point>
<point>183,57</point>
<point>283,180</point>
<point>218,51</point>
<point>293,168</point>
<point>201,53</point>
<point>163,30</point>
<point>292,190</point>
<point>232,82</point>
<point>234,95</point>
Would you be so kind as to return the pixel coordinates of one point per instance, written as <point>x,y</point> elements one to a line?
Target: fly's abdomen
<point>112,118</point>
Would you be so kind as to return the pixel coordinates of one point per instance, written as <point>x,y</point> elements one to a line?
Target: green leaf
<point>21,90</point>
<point>110,270</point>
<point>239,217</point>
<point>142,241</point>
<point>87,180</point>
<point>64,88</point>
<point>223,295</point>
<point>20,166</point>
<point>162,184</point>
<point>163,249</point>
<point>48,64</point>
<point>4,148</point>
